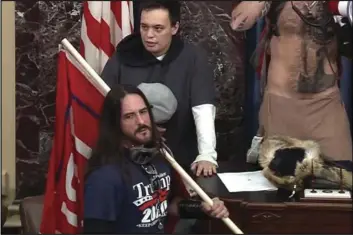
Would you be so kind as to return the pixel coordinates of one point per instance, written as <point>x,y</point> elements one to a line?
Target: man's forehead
<point>155,17</point>
<point>132,103</point>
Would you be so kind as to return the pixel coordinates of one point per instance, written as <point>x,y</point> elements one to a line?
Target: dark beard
<point>135,142</point>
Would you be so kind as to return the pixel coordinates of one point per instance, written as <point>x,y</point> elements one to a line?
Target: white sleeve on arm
<point>204,116</point>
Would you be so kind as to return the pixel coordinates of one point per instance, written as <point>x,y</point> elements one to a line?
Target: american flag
<point>104,24</point>
<point>78,102</point>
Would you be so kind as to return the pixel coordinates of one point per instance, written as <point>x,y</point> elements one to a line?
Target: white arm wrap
<point>204,116</point>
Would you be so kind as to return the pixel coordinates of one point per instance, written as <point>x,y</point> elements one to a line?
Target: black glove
<point>191,209</point>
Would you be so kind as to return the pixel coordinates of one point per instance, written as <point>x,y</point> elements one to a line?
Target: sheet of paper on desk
<point>246,182</point>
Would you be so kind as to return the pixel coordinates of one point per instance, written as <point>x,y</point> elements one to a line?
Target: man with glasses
<point>129,186</point>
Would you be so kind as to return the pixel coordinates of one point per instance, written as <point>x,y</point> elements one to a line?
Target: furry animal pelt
<point>287,162</point>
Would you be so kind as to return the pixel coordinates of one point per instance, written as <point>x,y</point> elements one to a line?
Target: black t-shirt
<point>126,206</point>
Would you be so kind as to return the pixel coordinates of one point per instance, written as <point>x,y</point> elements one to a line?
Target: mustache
<point>141,127</point>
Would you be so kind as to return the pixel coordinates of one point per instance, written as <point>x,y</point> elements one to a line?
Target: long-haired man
<point>129,185</point>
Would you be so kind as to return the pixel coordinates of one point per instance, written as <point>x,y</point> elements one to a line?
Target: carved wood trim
<point>266,216</point>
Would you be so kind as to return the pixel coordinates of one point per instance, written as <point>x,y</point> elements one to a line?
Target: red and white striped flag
<point>78,102</point>
<point>104,25</point>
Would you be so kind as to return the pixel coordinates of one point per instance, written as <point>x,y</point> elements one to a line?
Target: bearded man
<point>129,186</point>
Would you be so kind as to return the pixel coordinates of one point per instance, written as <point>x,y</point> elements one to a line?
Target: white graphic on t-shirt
<point>152,204</point>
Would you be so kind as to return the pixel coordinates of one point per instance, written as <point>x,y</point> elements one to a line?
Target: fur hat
<point>287,162</point>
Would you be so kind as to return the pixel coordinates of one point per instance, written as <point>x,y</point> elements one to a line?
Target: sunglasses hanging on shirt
<point>152,173</point>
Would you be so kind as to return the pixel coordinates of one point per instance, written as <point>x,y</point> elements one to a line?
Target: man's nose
<point>150,33</point>
<point>139,119</point>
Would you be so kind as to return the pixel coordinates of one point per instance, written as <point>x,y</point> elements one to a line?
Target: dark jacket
<point>184,69</point>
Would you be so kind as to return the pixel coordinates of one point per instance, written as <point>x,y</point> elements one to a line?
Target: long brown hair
<point>109,149</point>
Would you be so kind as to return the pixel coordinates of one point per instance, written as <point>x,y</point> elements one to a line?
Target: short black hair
<point>172,6</point>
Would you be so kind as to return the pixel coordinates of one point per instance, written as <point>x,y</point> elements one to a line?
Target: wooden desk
<point>267,212</point>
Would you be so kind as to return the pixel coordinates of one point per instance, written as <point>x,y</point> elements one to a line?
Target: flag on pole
<point>78,102</point>
<point>78,105</point>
